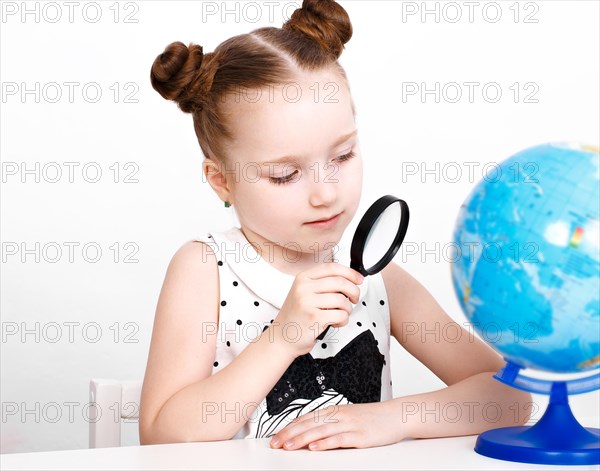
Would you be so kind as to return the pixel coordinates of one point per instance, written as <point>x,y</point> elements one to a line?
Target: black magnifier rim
<point>364,228</point>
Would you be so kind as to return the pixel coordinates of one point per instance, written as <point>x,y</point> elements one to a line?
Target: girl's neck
<point>286,259</point>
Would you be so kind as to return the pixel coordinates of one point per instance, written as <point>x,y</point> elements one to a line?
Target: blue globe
<point>526,268</point>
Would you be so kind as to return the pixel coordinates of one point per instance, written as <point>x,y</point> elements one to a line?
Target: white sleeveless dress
<point>350,365</point>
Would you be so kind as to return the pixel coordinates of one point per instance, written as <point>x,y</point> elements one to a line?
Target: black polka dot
<point>210,237</point>
<point>374,325</point>
<point>219,263</point>
<point>265,328</point>
<point>271,321</point>
<point>256,303</point>
<point>228,343</point>
<point>323,345</point>
<point>239,322</point>
<point>390,383</point>
<point>359,324</point>
<point>364,303</point>
<point>382,302</point>
<point>215,364</point>
<point>223,303</point>
<point>235,283</point>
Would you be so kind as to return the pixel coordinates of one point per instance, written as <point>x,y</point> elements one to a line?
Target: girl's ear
<point>216,179</point>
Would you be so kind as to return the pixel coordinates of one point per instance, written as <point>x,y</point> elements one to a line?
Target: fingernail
<point>275,442</point>
<point>289,444</point>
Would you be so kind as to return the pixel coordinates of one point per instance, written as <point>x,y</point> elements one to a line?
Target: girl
<point>234,349</point>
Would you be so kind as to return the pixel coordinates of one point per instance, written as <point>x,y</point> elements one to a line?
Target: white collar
<point>260,276</point>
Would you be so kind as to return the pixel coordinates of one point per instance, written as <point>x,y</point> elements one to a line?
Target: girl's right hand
<point>319,297</point>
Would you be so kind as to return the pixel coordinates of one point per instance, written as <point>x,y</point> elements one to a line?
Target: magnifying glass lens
<point>381,236</point>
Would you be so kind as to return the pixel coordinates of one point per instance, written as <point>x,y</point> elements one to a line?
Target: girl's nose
<point>323,185</point>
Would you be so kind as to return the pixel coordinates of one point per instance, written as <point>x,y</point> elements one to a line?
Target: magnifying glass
<point>378,237</point>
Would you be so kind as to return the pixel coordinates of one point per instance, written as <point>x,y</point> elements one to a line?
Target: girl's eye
<point>290,177</point>
<point>347,156</point>
<point>282,180</point>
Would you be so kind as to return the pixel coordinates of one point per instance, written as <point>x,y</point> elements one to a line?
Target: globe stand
<point>557,438</point>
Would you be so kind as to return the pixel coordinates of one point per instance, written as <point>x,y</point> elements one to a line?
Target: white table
<point>440,453</point>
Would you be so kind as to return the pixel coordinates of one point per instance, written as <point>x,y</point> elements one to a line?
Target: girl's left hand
<point>345,426</point>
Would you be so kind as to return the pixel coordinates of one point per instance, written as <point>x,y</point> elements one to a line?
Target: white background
<point>170,204</point>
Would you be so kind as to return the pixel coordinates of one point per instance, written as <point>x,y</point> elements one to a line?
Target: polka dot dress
<point>252,292</point>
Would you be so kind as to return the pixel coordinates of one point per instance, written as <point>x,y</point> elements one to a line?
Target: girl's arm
<point>473,401</point>
<point>181,401</point>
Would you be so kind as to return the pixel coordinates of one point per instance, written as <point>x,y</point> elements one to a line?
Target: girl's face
<point>310,124</point>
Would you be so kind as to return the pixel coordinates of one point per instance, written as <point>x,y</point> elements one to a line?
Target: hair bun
<point>324,21</point>
<point>175,75</point>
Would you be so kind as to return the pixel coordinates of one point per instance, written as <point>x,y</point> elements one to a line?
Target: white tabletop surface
<point>439,453</point>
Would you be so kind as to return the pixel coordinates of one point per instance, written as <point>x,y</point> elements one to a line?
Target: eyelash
<point>286,179</point>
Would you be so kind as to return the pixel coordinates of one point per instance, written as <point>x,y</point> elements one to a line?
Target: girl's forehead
<point>286,125</point>
<point>317,103</point>
<point>299,117</point>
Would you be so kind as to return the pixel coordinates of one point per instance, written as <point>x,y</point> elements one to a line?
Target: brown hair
<point>311,40</point>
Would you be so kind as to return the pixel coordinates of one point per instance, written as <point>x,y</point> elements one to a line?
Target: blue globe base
<point>557,438</point>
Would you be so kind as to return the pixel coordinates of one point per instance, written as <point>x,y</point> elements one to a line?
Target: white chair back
<point>111,403</point>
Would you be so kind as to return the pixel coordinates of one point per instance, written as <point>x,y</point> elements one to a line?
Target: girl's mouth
<point>326,223</point>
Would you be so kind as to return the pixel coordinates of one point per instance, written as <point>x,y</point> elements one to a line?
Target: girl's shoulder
<point>196,261</point>
<point>218,241</point>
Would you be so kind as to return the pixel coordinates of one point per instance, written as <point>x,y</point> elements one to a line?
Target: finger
<point>338,284</point>
<point>335,318</point>
<point>339,440</point>
<point>334,301</point>
<point>332,317</point>
<point>303,423</point>
<point>314,416</point>
<point>301,436</point>
<point>332,269</point>
<point>280,437</point>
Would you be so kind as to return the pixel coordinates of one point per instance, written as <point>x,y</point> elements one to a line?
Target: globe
<point>527,269</point>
